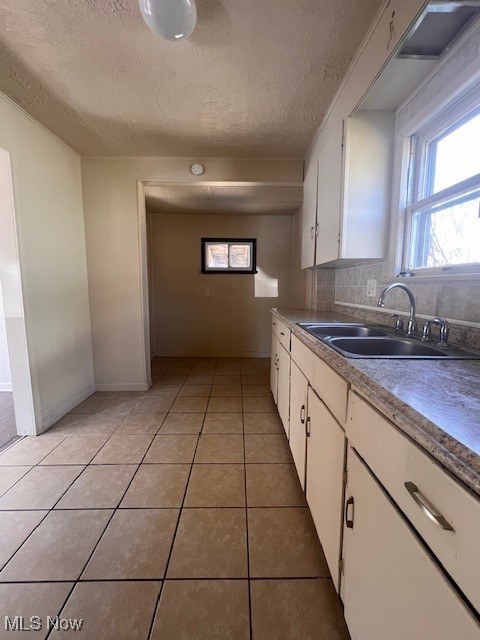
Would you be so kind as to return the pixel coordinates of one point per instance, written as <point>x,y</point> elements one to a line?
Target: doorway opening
<point>17,415</point>
<point>193,312</point>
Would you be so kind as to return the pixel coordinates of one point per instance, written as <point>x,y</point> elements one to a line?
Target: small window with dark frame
<point>229,255</point>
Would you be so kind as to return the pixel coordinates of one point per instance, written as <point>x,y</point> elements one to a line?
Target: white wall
<point>5,375</point>
<point>234,320</point>
<point>113,249</point>
<point>49,225</point>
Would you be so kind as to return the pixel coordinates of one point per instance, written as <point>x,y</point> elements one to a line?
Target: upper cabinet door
<point>368,160</point>
<point>393,587</point>
<point>329,190</point>
<point>309,215</point>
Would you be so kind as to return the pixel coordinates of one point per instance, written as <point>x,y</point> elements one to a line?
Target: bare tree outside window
<point>445,208</point>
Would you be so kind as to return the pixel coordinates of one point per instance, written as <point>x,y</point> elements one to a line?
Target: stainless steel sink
<point>359,340</point>
<point>385,348</point>
<point>343,330</point>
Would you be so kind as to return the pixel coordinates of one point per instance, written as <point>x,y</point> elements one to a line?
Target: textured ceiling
<point>254,79</point>
<point>246,199</point>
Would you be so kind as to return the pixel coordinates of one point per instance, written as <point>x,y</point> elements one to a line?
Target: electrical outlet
<point>207,293</point>
<point>371,288</point>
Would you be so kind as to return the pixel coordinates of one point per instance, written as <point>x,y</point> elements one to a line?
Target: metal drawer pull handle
<point>427,508</point>
<point>349,521</point>
<point>302,414</point>
<point>307,427</point>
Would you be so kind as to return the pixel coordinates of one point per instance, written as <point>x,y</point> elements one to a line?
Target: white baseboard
<point>125,386</point>
<point>6,387</point>
<point>57,413</point>
<point>248,354</point>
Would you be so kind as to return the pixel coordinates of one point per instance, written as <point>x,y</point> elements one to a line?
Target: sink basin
<point>343,330</point>
<point>360,340</point>
<point>385,348</point>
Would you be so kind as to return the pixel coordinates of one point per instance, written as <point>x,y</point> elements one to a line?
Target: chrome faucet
<point>412,324</point>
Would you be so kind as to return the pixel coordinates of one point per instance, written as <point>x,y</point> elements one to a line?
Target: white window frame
<point>418,178</point>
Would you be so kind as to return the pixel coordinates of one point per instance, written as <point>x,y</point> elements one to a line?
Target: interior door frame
<point>22,359</point>
<point>143,244</point>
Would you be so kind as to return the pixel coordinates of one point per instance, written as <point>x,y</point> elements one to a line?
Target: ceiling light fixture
<point>170,19</point>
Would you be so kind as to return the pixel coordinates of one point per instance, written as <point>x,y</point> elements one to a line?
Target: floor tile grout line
<point>113,514</point>
<point>2,567</point>
<point>119,508</point>
<point>250,621</point>
<point>180,511</point>
<point>204,579</point>
<point>105,527</point>
<point>64,603</point>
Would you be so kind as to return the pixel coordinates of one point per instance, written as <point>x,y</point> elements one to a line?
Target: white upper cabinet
<point>353,154</point>
<point>329,190</point>
<point>367,180</point>
<point>309,216</point>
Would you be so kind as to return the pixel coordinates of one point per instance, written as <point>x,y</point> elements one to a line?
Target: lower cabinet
<point>392,587</point>
<point>283,387</point>
<point>298,418</point>
<point>324,479</point>
<point>274,367</point>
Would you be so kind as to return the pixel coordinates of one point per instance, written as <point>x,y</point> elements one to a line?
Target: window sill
<point>437,278</point>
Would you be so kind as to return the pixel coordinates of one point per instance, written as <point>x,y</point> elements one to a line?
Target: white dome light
<point>170,19</point>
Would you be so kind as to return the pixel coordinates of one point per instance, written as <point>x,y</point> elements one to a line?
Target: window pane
<point>240,256</point>
<point>447,236</point>
<point>217,256</point>
<point>455,156</point>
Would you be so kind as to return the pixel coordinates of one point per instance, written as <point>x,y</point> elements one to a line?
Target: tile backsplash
<point>458,300</point>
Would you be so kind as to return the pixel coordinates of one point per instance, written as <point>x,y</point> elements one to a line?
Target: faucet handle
<point>399,322</point>
<point>444,331</point>
<point>427,332</point>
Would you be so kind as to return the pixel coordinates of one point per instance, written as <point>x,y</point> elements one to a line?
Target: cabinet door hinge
<point>341,565</point>
<point>345,478</point>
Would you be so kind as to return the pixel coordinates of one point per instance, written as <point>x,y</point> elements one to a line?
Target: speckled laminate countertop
<point>435,402</point>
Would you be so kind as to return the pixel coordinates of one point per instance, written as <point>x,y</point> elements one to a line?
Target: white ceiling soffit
<point>218,199</point>
<point>254,79</point>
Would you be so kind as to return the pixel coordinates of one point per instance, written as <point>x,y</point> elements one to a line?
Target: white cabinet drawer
<point>303,357</point>
<point>394,590</point>
<point>331,388</point>
<point>283,334</point>
<point>395,460</point>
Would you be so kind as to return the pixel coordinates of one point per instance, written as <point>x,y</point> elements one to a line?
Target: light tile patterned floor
<point>169,515</point>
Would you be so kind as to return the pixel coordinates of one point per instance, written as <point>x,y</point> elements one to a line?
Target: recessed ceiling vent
<point>437,27</point>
